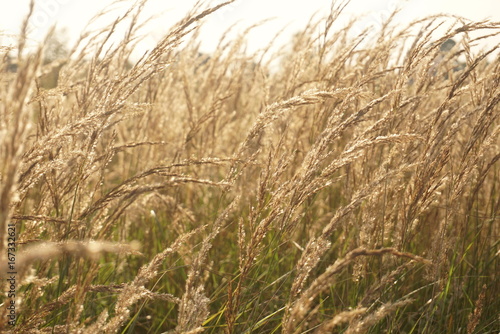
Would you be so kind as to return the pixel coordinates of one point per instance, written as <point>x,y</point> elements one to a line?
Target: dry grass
<point>352,188</point>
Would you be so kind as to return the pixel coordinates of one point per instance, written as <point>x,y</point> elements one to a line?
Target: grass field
<point>346,183</point>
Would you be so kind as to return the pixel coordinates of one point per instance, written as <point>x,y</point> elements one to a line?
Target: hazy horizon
<point>71,17</point>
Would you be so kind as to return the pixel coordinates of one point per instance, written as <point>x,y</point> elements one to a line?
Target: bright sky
<point>74,14</point>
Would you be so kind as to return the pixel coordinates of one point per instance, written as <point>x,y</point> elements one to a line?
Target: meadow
<point>348,182</point>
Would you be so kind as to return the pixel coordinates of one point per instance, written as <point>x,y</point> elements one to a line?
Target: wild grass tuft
<point>348,182</point>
